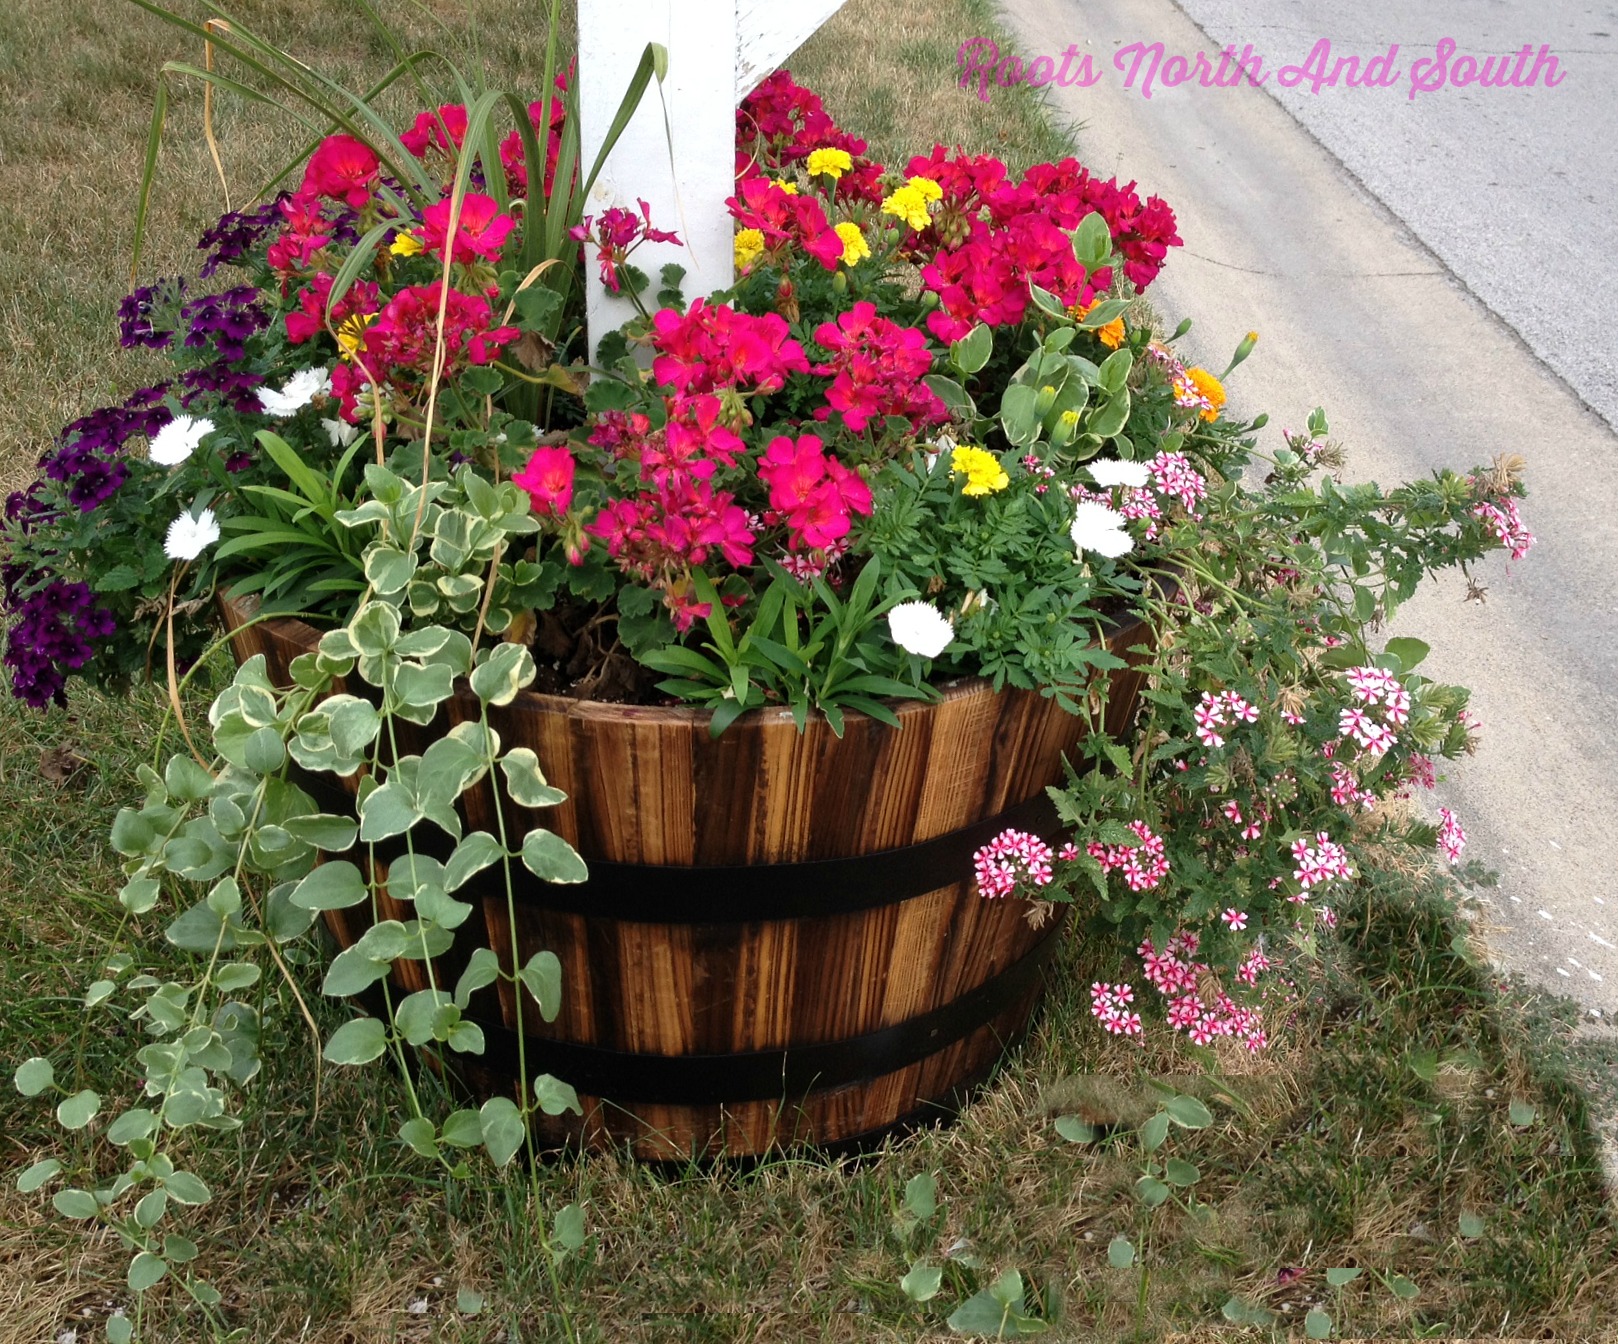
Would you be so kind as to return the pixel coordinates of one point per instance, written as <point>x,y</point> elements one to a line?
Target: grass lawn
<point>1413,1121</point>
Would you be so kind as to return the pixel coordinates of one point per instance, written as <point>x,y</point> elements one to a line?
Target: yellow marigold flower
<point>908,204</point>
<point>1110,334</point>
<point>833,163</point>
<point>405,245</point>
<point>1211,388</point>
<point>749,247</point>
<point>855,248</point>
<point>930,190</point>
<point>983,472</point>
<point>786,185</point>
<point>352,332</point>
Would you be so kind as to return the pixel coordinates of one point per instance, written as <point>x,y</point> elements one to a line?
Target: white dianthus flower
<point>1110,471</point>
<point>190,536</point>
<point>178,439</point>
<point>300,389</point>
<point>1100,529</point>
<point>920,628</point>
<point>340,432</point>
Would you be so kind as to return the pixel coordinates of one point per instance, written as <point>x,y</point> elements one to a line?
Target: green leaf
<point>568,1230</point>
<point>179,1250</point>
<point>1188,1112</point>
<point>264,752</point>
<point>468,1302</point>
<point>1409,652</point>
<point>139,894</point>
<point>185,780</point>
<point>553,1096</point>
<point>1151,1191</point>
<point>75,1204</point>
<point>1075,1130</point>
<point>357,1042</point>
<point>923,1281</point>
<point>551,859</point>
<point>149,1212</point>
<point>388,570</point>
<point>1177,1171</point>
<point>1338,1277</point>
<point>1403,1288</point>
<point>1471,1225</point>
<point>921,1195</point>
<point>333,885</point>
<point>463,1129</point>
<point>1317,1324</point>
<point>980,1314</point>
<point>1239,1311</point>
<point>131,1125</point>
<point>417,1133</point>
<point>324,831</point>
<point>542,973</point>
<point>184,1188</point>
<point>120,1329</point>
<point>145,1270</point>
<point>525,782</point>
<point>506,670</point>
<point>1155,1131</point>
<point>1120,1253</point>
<point>78,1110</point>
<point>388,811</point>
<point>33,1076</point>
<point>98,992</point>
<point>37,1175</point>
<point>474,853</point>
<point>236,976</point>
<point>482,968</point>
<point>502,1129</point>
<point>972,351</point>
<point>1092,241</point>
<point>1522,1113</point>
<point>351,971</point>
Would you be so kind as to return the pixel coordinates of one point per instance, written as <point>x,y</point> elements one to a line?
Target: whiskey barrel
<point>780,941</point>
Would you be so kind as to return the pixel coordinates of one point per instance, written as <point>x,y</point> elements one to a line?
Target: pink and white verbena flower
<point>1109,1004</point>
<point>1010,856</point>
<point>1144,865</point>
<point>1451,838</point>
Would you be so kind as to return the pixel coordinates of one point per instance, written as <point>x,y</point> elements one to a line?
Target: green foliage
<point>238,847</point>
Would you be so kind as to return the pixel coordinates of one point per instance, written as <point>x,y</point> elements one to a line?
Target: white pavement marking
<point>1357,315</point>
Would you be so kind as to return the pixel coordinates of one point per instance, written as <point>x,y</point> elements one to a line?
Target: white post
<point>689,197</point>
<point>718,50</point>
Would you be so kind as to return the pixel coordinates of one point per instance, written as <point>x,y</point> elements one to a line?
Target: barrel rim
<point>689,716</point>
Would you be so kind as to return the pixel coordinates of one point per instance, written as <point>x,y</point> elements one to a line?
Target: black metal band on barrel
<point>746,893</point>
<point>764,1075</point>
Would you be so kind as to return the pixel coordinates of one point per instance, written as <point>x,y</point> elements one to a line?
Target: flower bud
<point>1243,350</point>
<point>1066,426</point>
<point>1045,399</point>
<point>839,283</point>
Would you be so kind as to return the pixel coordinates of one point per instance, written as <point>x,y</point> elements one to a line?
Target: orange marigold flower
<point>1211,388</point>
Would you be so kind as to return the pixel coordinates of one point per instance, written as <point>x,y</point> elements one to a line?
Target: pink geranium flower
<point>342,168</point>
<point>480,232</point>
<point>548,480</point>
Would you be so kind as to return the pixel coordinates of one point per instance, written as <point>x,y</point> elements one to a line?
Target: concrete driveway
<point>1439,275</point>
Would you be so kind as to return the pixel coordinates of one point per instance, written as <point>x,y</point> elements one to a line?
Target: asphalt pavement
<point>1439,274</point>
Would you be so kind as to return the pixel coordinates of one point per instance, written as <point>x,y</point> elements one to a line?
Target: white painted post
<point>718,50</point>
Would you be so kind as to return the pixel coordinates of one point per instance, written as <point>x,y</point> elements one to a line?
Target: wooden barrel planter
<point>780,941</point>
